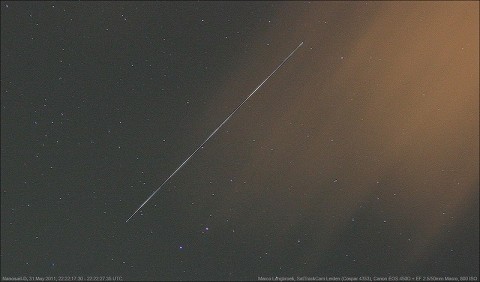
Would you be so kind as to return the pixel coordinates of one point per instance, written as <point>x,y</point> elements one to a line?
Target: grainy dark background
<point>359,157</point>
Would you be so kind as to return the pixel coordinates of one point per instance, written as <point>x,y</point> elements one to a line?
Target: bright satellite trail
<point>215,131</point>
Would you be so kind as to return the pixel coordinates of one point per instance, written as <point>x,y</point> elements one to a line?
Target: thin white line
<point>213,133</point>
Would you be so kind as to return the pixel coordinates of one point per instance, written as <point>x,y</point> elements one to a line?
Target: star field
<point>359,157</point>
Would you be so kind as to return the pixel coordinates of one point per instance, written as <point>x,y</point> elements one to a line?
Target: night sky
<point>360,156</point>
